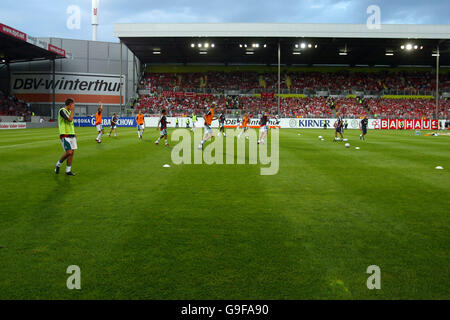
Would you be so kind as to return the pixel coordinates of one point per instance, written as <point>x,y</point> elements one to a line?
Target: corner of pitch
<point>186,151</point>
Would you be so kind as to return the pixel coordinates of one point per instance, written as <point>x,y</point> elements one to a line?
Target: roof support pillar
<point>279,79</point>
<point>8,78</point>
<point>53,90</point>
<point>437,82</point>
<point>121,71</point>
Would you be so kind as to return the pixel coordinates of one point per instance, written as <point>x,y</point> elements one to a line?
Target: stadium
<point>138,224</point>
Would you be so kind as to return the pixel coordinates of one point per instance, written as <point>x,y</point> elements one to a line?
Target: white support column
<point>279,78</point>
<point>437,82</point>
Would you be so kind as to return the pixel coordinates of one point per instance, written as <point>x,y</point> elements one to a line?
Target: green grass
<point>141,231</point>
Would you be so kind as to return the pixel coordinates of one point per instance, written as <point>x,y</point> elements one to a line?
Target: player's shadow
<point>62,183</point>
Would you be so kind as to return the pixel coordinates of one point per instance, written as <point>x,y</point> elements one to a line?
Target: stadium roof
<point>17,46</point>
<point>347,44</point>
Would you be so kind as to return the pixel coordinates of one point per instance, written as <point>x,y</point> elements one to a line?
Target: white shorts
<point>263,129</point>
<point>208,129</point>
<point>140,127</point>
<point>163,132</point>
<point>69,143</point>
<point>99,127</point>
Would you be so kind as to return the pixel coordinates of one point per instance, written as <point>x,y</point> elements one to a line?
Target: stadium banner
<point>294,123</point>
<point>13,32</point>
<point>84,88</point>
<point>106,122</point>
<point>393,96</point>
<point>409,124</point>
<point>307,123</point>
<point>275,95</point>
<point>12,125</point>
<point>182,94</point>
<point>267,95</point>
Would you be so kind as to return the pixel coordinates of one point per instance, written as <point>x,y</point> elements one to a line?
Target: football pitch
<point>141,231</point>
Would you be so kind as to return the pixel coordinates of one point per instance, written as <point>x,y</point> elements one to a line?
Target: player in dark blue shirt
<point>263,127</point>
<point>114,120</point>
<point>163,122</point>
<point>339,127</point>
<point>222,125</point>
<point>363,125</point>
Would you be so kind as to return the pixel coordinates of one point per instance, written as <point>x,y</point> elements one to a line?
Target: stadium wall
<point>92,61</point>
<point>284,123</point>
<point>305,123</point>
<point>26,125</point>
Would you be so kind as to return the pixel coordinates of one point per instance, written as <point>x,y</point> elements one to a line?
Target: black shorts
<point>364,130</point>
<point>339,129</point>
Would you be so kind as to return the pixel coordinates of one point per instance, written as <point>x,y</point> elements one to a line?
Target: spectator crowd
<point>311,107</point>
<point>220,86</point>
<point>218,82</point>
<point>11,106</point>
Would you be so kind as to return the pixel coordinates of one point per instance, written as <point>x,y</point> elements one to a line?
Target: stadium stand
<point>164,88</point>
<point>11,106</point>
<point>294,82</point>
<point>313,107</point>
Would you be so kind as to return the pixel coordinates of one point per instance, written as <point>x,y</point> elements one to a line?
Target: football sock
<point>68,168</point>
<point>58,164</point>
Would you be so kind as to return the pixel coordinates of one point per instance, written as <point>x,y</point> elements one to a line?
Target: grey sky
<point>47,18</point>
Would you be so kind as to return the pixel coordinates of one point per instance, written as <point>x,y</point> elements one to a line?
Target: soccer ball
<point>320,137</point>
<point>347,145</point>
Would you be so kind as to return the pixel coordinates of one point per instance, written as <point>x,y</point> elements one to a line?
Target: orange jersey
<point>245,122</point>
<point>209,117</point>
<point>98,119</point>
<point>140,119</point>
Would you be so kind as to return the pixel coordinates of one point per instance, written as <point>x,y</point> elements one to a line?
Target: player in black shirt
<point>163,122</point>
<point>363,125</point>
<point>339,127</point>
<point>114,121</point>
<point>263,127</point>
<point>222,125</point>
